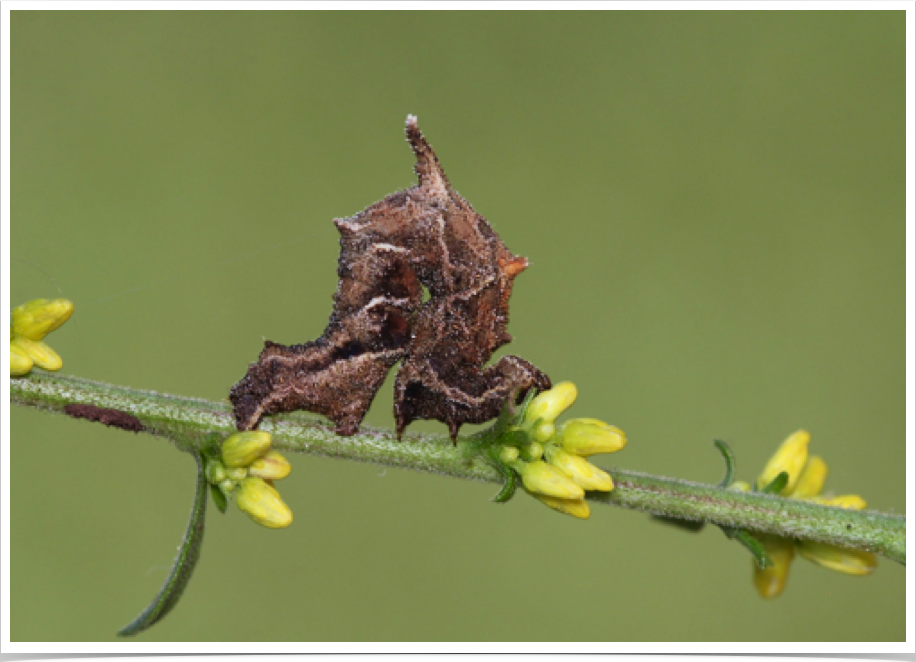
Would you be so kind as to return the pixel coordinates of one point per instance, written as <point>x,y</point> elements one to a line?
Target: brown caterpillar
<point>426,236</point>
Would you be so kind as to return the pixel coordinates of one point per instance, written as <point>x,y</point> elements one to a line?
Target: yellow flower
<point>575,507</point>
<point>29,324</point>
<point>36,319</point>
<point>243,448</point>
<point>272,466</point>
<point>562,480</point>
<point>811,480</point>
<point>850,501</point>
<point>247,468</point>
<point>548,405</point>
<point>260,501</point>
<point>20,363</point>
<point>791,458</point>
<point>806,482</point>
<point>588,436</point>
<point>848,561</point>
<point>771,581</point>
<point>542,478</point>
<point>585,474</point>
<point>39,353</point>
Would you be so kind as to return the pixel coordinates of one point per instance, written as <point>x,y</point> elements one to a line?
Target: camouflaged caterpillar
<point>427,235</point>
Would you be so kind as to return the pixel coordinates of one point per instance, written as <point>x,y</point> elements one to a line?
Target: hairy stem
<point>190,422</point>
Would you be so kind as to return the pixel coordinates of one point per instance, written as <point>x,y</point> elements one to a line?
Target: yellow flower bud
<point>237,474</point>
<point>588,436</point>
<point>36,319</point>
<point>575,507</point>
<point>20,363</point>
<point>272,466</point>
<point>41,355</point>
<point>740,486</point>
<point>508,454</point>
<point>543,431</point>
<point>243,448</point>
<point>551,403</point>
<point>771,581</point>
<point>542,478</point>
<point>531,452</point>
<point>791,458</point>
<point>263,504</point>
<point>585,474</point>
<point>848,561</point>
<point>850,501</point>
<point>215,472</point>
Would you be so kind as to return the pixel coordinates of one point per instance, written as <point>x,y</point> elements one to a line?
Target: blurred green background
<point>713,206</point>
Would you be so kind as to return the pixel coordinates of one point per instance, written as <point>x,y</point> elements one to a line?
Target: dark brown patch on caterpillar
<point>427,236</point>
<point>110,417</point>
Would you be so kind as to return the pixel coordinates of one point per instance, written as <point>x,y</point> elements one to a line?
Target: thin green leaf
<point>729,532</point>
<point>753,546</point>
<point>522,409</point>
<point>777,485</point>
<point>508,489</point>
<point>188,555</point>
<point>219,499</point>
<point>730,462</point>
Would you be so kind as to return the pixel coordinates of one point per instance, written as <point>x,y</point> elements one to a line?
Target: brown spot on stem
<point>110,417</point>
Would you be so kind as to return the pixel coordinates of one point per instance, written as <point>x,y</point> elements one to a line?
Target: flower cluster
<point>246,469</point>
<point>29,324</point>
<point>550,458</point>
<point>806,476</point>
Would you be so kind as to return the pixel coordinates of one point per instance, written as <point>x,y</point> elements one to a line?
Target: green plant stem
<point>189,422</point>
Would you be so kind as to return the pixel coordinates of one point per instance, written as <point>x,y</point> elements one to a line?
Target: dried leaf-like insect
<point>426,236</point>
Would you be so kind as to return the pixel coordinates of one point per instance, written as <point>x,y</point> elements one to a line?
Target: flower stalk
<point>191,422</point>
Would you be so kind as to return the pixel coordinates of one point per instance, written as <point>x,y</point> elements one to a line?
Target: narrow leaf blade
<point>188,555</point>
<point>730,463</point>
<point>777,484</point>
<point>219,499</point>
<point>508,488</point>
<point>755,547</point>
